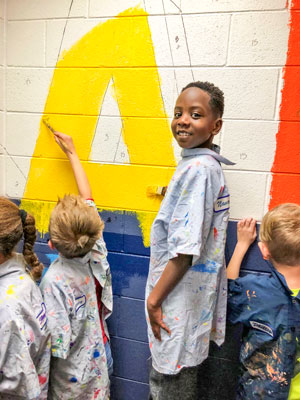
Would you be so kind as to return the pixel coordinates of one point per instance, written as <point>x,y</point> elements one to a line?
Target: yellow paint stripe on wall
<point>118,49</point>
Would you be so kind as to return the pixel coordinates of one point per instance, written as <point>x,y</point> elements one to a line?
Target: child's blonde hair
<point>280,231</point>
<point>74,226</point>
<point>15,223</point>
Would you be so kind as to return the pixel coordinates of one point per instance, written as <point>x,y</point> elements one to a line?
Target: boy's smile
<point>194,123</point>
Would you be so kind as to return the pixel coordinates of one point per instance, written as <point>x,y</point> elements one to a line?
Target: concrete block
<point>2,12</point>
<point>2,77</point>
<point>250,144</point>
<point>106,139</point>
<point>247,194</point>
<point>27,88</point>
<point>127,389</point>
<point>122,155</point>
<point>183,77</point>
<point>154,6</point>
<point>259,38</point>
<point>130,274</point>
<point>178,40</point>
<point>2,142</point>
<point>196,6</point>
<point>25,43</point>
<point>111,8</point>
<point>61,35</point>
<point>22,131</point>
<point>109,105</point>
<point>2,175</point>
<point>2,49</point>
<point>16,173</point>
<point>172,7</point>
<point>268,193</point>
<point>249,93</point>
<point>281,82</point>
<point>161,45</point>
<point>40,9</point>
<point>207,37</point>
<point>169,91</point>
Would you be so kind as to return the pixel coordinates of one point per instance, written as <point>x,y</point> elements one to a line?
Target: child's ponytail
<point>14,223</point>
<point>31,258</point>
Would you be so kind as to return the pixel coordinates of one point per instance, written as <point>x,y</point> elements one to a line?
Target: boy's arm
<point>174,271</point>
<point>246,234</point>
<point>82,181</point>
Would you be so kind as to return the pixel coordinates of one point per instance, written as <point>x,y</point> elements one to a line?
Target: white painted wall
<point>240,45</point>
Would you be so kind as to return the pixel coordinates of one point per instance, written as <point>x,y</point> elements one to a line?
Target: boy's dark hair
<point>216,95</point>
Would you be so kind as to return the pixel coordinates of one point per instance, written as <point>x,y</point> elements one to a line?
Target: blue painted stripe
<point>130,359</point>
<point>124,389</point>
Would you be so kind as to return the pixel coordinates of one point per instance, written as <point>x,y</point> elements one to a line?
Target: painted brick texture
<point>111,78</point>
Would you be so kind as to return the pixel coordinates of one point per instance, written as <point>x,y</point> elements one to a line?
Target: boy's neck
<point>291,274</point>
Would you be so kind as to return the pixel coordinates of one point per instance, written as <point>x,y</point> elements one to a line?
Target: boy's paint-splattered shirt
<point>271,317</point>
<point>25,338</point>
<point>192,220</point>
<point>78,365</point>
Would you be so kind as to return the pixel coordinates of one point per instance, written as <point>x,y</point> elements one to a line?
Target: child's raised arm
<point>246,234</point>
<point>66,144</point>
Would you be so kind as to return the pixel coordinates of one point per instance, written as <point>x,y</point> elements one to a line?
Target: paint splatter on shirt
<point>271,317</point>
<point>78,365</point>
<point>195,207</point>
<point>25,338</point>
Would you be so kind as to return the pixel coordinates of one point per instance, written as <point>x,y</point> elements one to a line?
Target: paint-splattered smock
<point>78,366</point>
<point>24,337</point>
<point>271,317</point>
<point>192,220</point>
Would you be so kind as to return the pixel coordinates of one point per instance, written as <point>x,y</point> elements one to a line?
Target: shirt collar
<point>206,152</point>
<point>280,278</point>
<point>13,264</point>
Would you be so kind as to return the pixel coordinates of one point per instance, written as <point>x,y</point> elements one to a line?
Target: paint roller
<point>156,190</point>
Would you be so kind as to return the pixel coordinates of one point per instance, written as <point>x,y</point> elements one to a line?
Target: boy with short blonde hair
<point>78,294</point>
<point>74,226</point>
<point>268,306</point>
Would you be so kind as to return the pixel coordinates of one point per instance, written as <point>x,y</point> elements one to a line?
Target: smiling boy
<point>186,286</point>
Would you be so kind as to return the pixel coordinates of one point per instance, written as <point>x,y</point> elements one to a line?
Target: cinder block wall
<point>108,72</point>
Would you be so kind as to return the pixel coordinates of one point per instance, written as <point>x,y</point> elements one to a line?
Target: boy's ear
<point>51,245</point>
<point>217,126</point>
<point>264,250</point>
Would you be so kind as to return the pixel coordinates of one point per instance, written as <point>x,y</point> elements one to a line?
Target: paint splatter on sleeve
<point>193,211</point>
<point>58,307</point>
<point>17,374</point>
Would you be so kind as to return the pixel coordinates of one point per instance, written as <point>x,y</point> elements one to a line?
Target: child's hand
<point>65,142</point>
<point>155,317</point>
<point>246,231</point>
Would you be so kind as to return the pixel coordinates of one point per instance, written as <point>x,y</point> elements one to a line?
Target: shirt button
<point>294,301</point>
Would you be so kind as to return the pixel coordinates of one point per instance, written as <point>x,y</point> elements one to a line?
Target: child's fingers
<point>253,227</point>
<point>241,223</point>
<point>156,327</point>
<point>164,327</point>
<point>156,331</point>
<point>248,222</point>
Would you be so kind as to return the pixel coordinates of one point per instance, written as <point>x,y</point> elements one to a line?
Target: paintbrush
<point>61,141</point>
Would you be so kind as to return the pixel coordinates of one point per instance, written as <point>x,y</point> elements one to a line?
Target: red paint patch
<point>178,366</point>
<point>215,233</point>
<point>285,185</point>
<point>42,379</point>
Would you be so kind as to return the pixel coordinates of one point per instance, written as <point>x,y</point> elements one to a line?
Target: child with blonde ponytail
<point>78,294</point>
<point>25,339</point>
